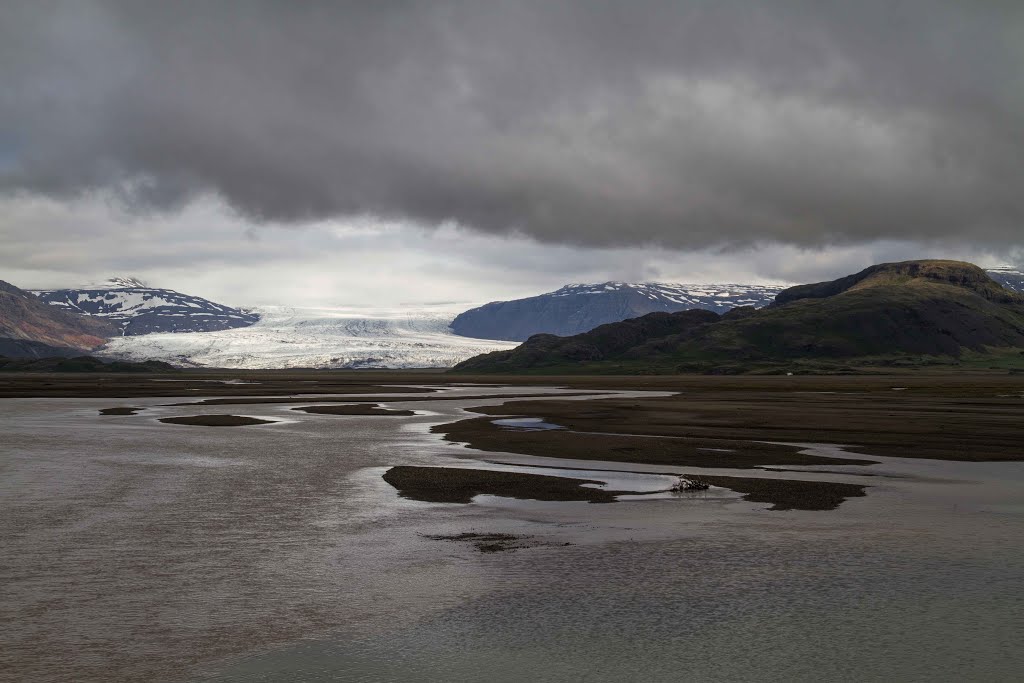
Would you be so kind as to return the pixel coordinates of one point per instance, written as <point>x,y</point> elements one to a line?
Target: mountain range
<point>1009,277</point>
<point>124,318</point>
<point>578,308</point>
<point>891,314</point>
<point>135,308</point>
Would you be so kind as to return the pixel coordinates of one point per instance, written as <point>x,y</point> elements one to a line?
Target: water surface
<point>135,550</point>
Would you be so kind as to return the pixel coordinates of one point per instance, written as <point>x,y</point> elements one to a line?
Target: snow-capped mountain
<point>578,308</point>
<point>315,338</point>
<point>138,309</point>
<point>1009,277</point>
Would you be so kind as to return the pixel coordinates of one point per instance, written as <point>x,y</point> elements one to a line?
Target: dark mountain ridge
<point>578,308</point>
<point>890,311</point>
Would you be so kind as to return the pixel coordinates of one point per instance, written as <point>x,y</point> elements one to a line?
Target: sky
<point>394,152</point>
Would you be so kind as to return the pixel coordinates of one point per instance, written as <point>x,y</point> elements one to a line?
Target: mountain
<point>29,327</point>
<point>136,308</point>
<point>315,338</point>
<point>893,313</point>
<point>1010,277</point>
<point>578,308</point>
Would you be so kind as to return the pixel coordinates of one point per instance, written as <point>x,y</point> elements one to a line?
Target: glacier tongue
<point>315,338</point>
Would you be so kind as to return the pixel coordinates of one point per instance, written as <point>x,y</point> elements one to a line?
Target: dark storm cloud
<point>678,123</point>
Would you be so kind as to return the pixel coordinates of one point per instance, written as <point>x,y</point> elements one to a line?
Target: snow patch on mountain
<point>1010,277</point>
<point>580,308</point>
<point>715,296</point>
<point>137,309</point>
<point>316,338</point>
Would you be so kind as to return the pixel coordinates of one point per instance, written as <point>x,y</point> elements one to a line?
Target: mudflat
<point>461,485</point>
<point>120,410</point>
<point>216,421</point>
<point>727,423</point>
<point>722,421</point>
<point>357,409</point>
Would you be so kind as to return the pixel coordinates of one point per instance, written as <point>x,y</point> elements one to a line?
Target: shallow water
<point>135,550</point>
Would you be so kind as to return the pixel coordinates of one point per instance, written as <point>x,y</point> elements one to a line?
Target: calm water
<point>135,550</point>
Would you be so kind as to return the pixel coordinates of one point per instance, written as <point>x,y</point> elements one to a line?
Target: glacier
<point>285,337</point>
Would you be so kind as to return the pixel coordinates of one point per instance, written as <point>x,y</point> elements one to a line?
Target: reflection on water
<point>140,551</point>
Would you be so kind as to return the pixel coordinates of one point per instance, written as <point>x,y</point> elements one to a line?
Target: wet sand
<point>459,485</point>
<point>120,410</point>
<point>789,494</point>
<point>361,409</point>
<point>215,421</point>
<point>362,399</point>
<point>885,417</point>
<point>462,485</point>
<point>957,416</point>
<point>482,434</point>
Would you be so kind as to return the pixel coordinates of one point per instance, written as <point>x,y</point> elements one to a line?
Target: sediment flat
<point>120,410</point>
<point>605,445</point>
<point>938,418</point>
<point>960,415</point>
<point>216,421</point>
<point>789,494</point>
<point>361,399</point>
<point>359,409</point>
<point>461,485</point>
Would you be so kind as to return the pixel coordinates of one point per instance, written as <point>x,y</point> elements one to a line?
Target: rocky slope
<point>30,327</point>
<point>137,309</point>
<point>578,308</point>
<point>896,312</point>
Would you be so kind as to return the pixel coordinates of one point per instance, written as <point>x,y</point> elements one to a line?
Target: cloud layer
<point>684,124</point>
<point>207,249</point>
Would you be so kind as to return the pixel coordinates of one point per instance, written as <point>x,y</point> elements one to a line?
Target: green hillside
<point>894,314</point>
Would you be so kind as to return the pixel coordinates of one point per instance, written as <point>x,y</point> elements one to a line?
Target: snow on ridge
<point>1006,269</point>
<point>119,283</point>
<point>138,309</point>
<point>671,291</point>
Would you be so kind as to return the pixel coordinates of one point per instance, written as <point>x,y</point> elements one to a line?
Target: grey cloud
<point>685,124</point>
